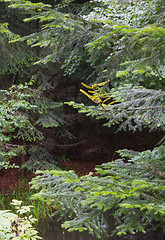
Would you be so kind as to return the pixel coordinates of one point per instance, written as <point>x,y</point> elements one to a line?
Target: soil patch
<point>9,178</point>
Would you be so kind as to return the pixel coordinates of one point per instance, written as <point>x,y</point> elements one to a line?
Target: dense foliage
<point>132,108</point>
<point>116,48</point>
<point>132,189</point>
<point>17,225</point>
<point>18,105</point>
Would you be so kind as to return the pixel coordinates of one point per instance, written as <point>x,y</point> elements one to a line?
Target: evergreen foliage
<point>22,109</point>
<point>13,57</point>
<point>120,43</point>
<point>96,40</point>
<point>40,158</point>
<point>133,108</point>
<point>131,187</point>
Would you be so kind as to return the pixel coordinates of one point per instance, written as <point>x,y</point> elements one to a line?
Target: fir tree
<point>117,41</point>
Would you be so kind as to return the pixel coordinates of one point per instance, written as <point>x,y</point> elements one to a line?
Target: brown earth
<point>12,177</point>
